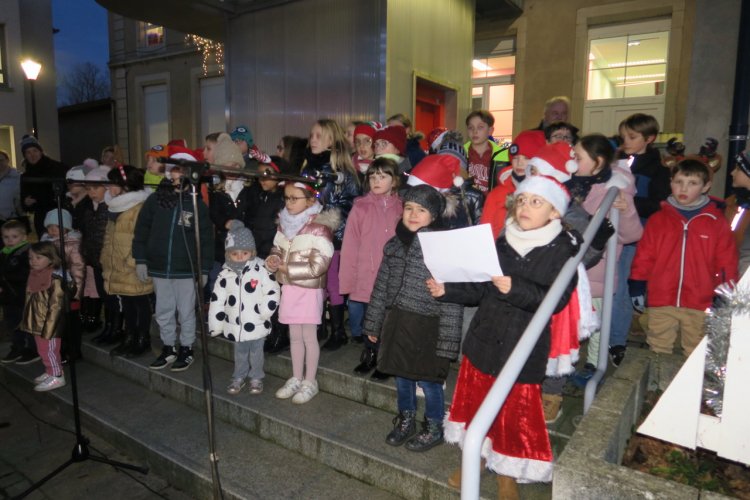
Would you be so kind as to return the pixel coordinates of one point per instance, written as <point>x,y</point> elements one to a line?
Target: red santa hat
<point>555,160</point>
<point>527,143</point>
<point>439,171</point>
<point>179,153</point>
<point>436,137</point>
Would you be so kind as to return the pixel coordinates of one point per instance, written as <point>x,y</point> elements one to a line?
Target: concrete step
<point>169,437</point>
<point>335,374</point>
<point>345,435</point>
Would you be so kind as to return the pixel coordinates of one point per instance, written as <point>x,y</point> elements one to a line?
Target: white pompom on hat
<point>555,160</point>
<point>548,188</point>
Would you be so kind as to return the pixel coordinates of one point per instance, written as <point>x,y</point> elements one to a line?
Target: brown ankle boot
<point>454,480</point>
<point>507,488</point>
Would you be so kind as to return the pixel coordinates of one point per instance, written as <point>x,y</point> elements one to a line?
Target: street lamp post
<point>31,69</point>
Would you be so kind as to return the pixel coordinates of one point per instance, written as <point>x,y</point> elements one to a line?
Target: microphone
<point>336,177</point>
<point>180,162</point>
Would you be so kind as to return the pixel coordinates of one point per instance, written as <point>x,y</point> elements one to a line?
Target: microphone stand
<point>81,448</point>
<point>194,178</point>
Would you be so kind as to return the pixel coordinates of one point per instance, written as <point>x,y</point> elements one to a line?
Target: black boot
<point>127,345</point>
<point>91,314</point>
<point>368,359</point>
<point>338,334</point>
<point>107,327</point>
<point>430,436</point>
<point>278,339</point>
<point>114,334</point>
<point>142,344</point>
<point>404,427</point>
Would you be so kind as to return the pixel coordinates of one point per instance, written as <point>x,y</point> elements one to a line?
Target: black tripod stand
<point>81,448</point>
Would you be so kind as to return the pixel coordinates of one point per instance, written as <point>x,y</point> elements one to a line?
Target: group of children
<point>289,253</point>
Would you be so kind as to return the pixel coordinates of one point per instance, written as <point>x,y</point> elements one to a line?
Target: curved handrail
<point>493,402</point>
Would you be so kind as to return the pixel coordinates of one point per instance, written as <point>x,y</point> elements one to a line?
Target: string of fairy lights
<point>210,50</point>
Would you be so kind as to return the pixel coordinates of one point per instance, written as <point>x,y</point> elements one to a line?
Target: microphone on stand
<point>336,177</point>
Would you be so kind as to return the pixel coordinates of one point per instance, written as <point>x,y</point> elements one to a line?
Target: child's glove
<point>603,234</point>
<point>141,271</point>
<point>637,290</point>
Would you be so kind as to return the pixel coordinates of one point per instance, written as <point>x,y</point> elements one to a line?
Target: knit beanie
<point>29,141</point>
<point>743,162</point>
<point>158,151</point>
<point>52,219</point>
<point>365,129</point>
<point>242,133</point>
<point>227,153</point>
<point>441,171</point>
<point>527,143</point>
<point>548,188</point>
<point>239,238</point>
<point>75,174</point>
<point>395,134</point>
<point>428,197</point>
<point>452,144</point>
<point>555,160</point>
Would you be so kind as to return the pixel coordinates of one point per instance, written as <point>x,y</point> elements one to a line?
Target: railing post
<point>609,291</point>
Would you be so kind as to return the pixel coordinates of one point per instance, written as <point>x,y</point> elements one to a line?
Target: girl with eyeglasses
<point>300,257</point>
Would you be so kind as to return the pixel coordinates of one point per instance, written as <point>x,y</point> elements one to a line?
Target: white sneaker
<point>236,386</point>
<point>307,391</point>
<point>289,389</point>
<point>41,378</point>
<point>50,383</point>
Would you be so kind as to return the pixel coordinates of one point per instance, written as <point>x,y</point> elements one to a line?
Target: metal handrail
<point>493,402</point>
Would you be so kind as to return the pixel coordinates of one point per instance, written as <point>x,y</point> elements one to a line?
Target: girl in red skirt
<point>532,250</point>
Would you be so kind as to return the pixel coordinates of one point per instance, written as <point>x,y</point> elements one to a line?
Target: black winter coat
<point>93,227</point>
<point>14,271</point>
<point>651,182</point>
<point>263,209</point>
<point>337,196</point>
<point>463,207</point>
<point>222,209</point>
<point>502,318</point>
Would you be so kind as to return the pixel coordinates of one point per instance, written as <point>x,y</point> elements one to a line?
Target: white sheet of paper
<point>461,255</point>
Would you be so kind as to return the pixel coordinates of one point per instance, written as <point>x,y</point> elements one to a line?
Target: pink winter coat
<point>371,223</point>
<point>629,229</point>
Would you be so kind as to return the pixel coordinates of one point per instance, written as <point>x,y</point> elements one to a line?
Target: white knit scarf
<point>291,224</point>
<point>524,242</point>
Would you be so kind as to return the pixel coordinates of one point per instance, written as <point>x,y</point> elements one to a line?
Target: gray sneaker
<point>256,386</point>
<point>236,386</point>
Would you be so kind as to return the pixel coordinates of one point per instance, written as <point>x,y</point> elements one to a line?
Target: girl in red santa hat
<point>532,250</point>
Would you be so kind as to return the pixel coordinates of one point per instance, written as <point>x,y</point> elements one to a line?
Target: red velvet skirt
<point>517,444</point>
<point>564,343</point>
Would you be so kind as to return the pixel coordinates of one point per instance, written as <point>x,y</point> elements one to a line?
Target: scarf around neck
<point>701,202</point>
<point>579,186</point>
<point>291,224</point>
<point>316,161</point>
<point>39,279</point>
<point>524,242</point>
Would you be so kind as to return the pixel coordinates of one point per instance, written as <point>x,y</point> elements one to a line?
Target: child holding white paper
<point>532,251</point>
<point>419,335</point>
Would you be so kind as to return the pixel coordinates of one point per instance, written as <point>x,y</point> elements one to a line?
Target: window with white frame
<point>493,87</point>
<point>150,36</point>
<point>628,60</point>
<point>155,115</point>
<point>212,105</point>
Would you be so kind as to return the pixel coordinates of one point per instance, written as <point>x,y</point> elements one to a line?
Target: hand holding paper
<point>461,255</point>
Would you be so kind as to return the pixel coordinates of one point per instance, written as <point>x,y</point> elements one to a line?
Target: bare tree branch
<point>83,83</point>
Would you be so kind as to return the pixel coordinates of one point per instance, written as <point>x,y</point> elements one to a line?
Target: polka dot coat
<point>242,305</point>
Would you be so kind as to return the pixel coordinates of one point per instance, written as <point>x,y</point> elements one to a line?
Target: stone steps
<point>169,437</point>
<point>341,432</point>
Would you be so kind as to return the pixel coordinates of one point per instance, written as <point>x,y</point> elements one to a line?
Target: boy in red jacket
<point>687,250</point>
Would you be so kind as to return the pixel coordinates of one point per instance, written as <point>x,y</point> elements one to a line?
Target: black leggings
<point>137,312</point>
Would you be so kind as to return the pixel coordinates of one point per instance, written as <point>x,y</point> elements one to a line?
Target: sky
<point>82,36</point>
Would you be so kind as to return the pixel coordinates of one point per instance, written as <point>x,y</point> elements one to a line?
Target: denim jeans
<point>622,308</point>
<point>357,312</point>
<point>433,396</point>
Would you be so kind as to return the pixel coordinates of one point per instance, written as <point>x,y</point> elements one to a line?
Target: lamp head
<point>31,68</point>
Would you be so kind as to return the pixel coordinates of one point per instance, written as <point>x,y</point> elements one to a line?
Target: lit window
<point>151,35</point>
<point>493,66</point>
<point>628,66</point>
<point>3,63</point>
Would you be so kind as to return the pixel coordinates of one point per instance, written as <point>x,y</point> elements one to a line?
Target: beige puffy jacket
<point>308,254</point>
